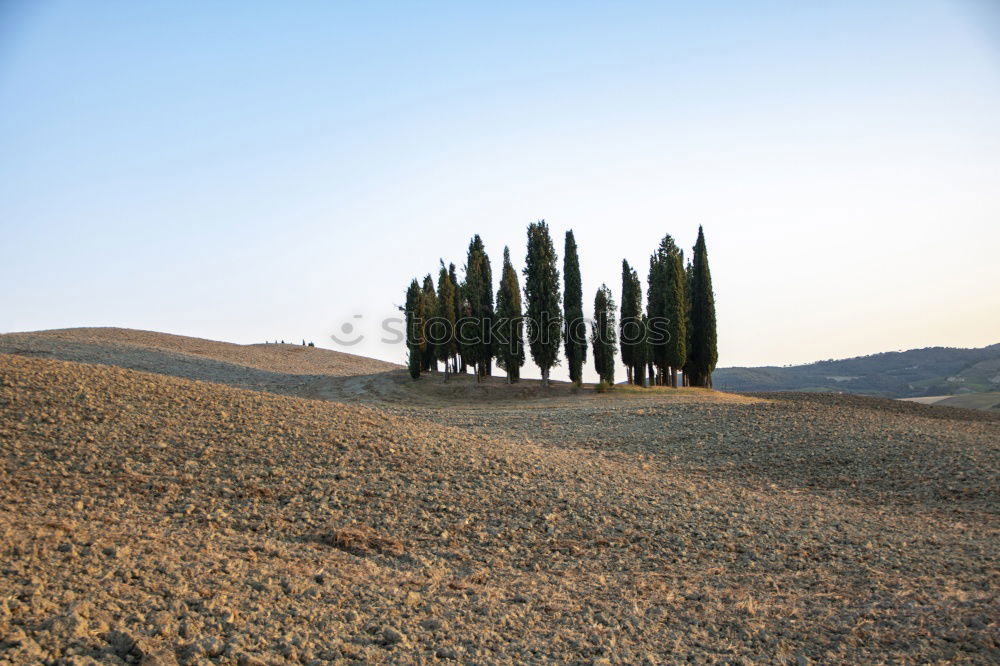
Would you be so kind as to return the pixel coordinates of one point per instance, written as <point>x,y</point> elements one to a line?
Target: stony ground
<point>156,519</point>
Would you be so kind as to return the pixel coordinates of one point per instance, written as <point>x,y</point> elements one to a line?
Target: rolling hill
<point>276,368</point>
<point>918,372</point>
<point>218,507</point>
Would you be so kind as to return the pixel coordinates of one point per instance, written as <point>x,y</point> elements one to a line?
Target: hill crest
<point>87,344</point>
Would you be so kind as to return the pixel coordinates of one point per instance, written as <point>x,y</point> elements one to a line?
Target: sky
<point>261,171</point>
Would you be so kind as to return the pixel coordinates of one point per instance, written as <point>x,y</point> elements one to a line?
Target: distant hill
<point>913,373</point>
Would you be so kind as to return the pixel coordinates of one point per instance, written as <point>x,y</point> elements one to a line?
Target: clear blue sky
<point>248,171</point>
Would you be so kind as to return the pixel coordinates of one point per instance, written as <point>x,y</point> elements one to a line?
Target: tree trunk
<point>545,377</point>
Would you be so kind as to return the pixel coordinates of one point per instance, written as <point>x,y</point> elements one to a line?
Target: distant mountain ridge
<point>914,373</point>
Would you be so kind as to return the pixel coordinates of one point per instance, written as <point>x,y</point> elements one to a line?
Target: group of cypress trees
<point>460,325</point>
<point>455,324</point>
<point>676,334</point>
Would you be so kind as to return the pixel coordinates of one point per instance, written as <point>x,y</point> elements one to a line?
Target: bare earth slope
<point>159,519</point>
<point>285,369</point>
<point>279,358</point>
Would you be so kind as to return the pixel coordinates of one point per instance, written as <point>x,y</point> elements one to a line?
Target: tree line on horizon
<point>668,340</point>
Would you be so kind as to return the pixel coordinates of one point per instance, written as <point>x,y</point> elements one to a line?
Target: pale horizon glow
<point>256,171</point>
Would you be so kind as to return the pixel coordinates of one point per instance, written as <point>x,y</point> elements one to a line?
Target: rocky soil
<point>153,519</point>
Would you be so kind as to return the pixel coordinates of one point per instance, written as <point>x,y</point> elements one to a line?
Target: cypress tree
<point>443,328</point>
<point>666,308</point>
<point>541,292</point>
<point>430,307</point>
<point>689,281</point>
<point>704,344</point>
<point>641,352</point>
<point>629,332</point>
<point>488,313</point>
<point>636,290</point>
<point>676,310</point>
<point>627,342</point>
<point>468,323</point>
<point>478,298</point>
<point>574,328</point>
<point>414,328</point>
<point>509,343</point>
<point>603,335</point>
<point>656,310</point>
<point>461,310</point>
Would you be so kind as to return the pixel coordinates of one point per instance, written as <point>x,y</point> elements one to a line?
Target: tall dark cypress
<point>676,310</point>
<point>626,340</point>
<point>603,335</point>
<point>478,304</point>
<point>641,353</point>
<point>574,327</point>
<point>630,320</point>
<point>704,343</point>
<point>689,281</point>
<point>644,323</point>
<point>509,343</point>
<point>656,309</point>
<point>461,310</point>
<point>414,328</point>
<point>666,307</point>
<point>469,322</point>
<point>443,328</point>
<point>486,307</point>
<point>541,292</point>
<point>430,308</point>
